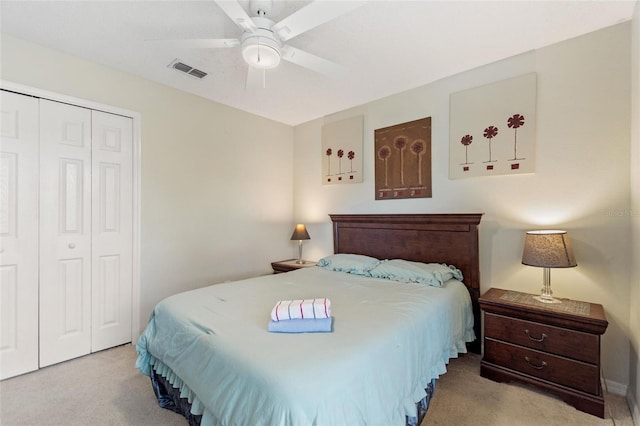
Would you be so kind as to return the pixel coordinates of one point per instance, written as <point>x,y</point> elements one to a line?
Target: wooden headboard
<point>441,238</point>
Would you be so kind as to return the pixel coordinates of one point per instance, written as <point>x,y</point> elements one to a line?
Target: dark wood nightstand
<point>555,347</point>
<point>289,265</point>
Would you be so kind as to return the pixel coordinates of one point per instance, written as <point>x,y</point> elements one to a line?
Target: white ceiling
<point>386,47</point>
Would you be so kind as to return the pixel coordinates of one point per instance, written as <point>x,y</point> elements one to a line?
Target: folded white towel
<point>301,309</point>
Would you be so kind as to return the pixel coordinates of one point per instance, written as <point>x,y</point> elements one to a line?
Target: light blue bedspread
<point>389,340</point>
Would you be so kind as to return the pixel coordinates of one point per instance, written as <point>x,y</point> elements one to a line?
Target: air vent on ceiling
<point>181,66</point>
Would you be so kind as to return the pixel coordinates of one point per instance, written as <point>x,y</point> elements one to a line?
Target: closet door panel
<point>112,210</point>
<point>18,234</point>
<point>65,232</point>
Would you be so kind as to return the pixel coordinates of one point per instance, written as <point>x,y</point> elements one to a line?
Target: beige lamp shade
<point>300,233</point>
<point>548,249</point>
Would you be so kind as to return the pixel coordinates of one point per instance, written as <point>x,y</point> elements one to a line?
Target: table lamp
<point>548,249</point>
<point>300,233</point>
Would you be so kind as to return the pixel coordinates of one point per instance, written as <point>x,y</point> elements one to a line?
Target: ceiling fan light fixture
<point>260,55</point>
<point>261,48</point>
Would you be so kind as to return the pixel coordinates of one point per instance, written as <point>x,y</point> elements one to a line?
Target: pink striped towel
<point>301,309</point>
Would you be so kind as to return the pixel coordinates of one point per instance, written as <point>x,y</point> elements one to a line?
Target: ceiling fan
<point>263,41</point>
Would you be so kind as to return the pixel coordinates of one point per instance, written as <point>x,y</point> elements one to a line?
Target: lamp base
<point>300,261</point>
<point>546,295</point>
<point>547,299</point>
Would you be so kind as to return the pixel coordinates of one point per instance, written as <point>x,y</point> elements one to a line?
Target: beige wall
<point>581,183</point>
<point>216,182</point>
<point>634,322</point>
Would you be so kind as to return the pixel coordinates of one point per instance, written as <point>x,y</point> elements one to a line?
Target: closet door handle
<point>544,336</point>
<point>72,245</point>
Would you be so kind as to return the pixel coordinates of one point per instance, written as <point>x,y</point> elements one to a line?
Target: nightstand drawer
<point>560,370</point>
<point>547,338</point>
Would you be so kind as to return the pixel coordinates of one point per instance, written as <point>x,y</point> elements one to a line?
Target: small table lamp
<point>548,249</point>
<point>300,233</point>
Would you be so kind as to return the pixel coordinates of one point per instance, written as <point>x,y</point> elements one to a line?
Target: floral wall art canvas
<point>492,129</point>
<point>403,160</point>
<point>342,151</point>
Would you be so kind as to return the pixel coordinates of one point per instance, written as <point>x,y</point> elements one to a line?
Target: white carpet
<point>105,389</point>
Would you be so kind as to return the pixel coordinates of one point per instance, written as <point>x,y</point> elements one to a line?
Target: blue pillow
<point>434,274</point>
<point>350,263</point>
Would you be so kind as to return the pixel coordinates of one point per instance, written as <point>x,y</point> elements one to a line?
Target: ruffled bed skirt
<point>169,398</point>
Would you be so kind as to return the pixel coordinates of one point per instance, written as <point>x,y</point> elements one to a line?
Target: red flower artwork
<point>384,153</point>
<point>351,155</point>
<point>400,143</point>
<point>514,122</point>
<point>329,152</point>
<point>466,141</point>
<point>340,155</point>
<point>418,149</point>
<point>402,157</point>
<point>490,133</point>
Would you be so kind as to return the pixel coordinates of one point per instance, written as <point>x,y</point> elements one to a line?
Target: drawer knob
<point>537,367</point>
<point>541,339</point>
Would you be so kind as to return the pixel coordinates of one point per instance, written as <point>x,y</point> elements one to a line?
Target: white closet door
<point>18,234</point>
<point>65,232</point>
<point>112,212</point>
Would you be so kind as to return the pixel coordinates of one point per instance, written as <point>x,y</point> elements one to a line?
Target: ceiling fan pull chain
<point>259,46</point>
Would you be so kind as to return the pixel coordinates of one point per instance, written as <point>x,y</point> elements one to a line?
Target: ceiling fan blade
<point>311,16</point>
<point>310,61</point>
<point>200,43</point>
<point>256,79</point>
<point>237,14</point>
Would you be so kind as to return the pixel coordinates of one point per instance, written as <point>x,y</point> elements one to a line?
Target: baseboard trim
<point>635,410</point>
<point>615,388</point>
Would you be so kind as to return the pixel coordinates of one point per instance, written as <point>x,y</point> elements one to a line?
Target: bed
<point>211,358</point>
